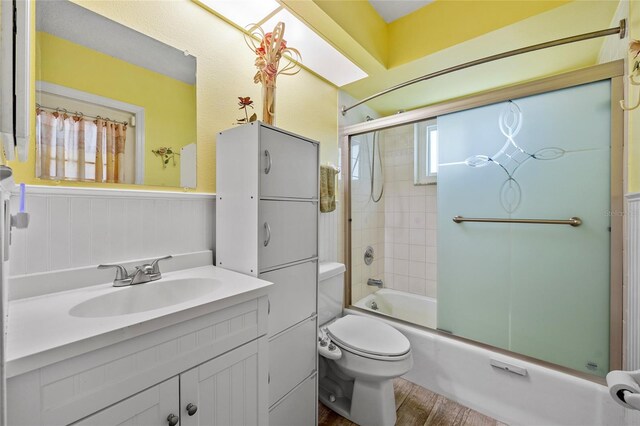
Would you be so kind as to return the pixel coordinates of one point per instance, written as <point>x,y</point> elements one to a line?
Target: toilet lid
<point>368,335</point>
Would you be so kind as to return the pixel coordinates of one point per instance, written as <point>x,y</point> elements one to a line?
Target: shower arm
<point>621,29</point>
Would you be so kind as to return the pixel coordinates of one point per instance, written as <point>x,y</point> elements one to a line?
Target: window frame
<point>423,151</point>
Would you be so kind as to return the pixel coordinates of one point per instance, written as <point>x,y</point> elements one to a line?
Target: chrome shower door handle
<point>267,155</point>
<point>267,234</point>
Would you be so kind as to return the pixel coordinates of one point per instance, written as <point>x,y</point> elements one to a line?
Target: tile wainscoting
<point>632,283</point>
<point>71,227</point>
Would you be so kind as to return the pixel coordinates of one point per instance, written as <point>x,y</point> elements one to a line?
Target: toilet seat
<point>369,338</point>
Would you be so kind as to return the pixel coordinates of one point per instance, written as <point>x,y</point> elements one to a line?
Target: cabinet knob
<point>192,409</point>
<point>173,419</point>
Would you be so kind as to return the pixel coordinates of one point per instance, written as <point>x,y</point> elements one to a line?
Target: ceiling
<point>390,10</point>
<point>444,33</point>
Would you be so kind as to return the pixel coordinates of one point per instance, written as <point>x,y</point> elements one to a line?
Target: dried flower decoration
<point>244,103</point>
<point>634,48</point>
<point>269,52</point>
<point>166,154</point>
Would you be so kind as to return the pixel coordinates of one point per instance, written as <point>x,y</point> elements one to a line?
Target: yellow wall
<point>362,22</point>
<point>445,23</point>
<point>170,116</point>
<point>305,103</point>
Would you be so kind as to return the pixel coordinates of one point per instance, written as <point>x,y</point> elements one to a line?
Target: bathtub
<point>408,307</point>
<point>462,372</point>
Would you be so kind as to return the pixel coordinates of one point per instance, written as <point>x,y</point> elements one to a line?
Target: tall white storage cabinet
<point>267,227</point>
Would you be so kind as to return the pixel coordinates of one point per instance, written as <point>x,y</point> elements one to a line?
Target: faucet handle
<point>121,271</point>
<point>122,276</point>
<point>154,264</point>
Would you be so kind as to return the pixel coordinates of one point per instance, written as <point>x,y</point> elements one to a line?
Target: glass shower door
<point>540,290</point>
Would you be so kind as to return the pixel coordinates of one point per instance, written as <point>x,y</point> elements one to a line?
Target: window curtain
<point>79,149</point>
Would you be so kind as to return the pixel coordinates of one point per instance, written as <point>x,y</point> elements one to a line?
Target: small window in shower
<point>425,154</point>
<point>355,160</point>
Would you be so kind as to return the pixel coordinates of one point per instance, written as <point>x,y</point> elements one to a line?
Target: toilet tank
<point>330,291</point>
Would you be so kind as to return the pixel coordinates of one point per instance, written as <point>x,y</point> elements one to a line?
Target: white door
<point>293,297</point>
<point>289,232</point>
<point>289,166</point>
<point>292,358</point>
<point>226,390</point>
<point>155,406</point>
<point>298,408</point>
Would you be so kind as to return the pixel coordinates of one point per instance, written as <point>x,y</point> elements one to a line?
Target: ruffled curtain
<point>77,149</point>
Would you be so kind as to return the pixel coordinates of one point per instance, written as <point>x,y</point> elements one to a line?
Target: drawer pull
<point>173,419</point>
<point>192,409</point>
<point>267,155</point>
<point>267,231</point>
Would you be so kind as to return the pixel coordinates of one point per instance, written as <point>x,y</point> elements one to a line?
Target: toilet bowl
<point>359,357</point>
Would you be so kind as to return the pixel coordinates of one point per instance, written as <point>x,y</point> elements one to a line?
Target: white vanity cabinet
<point>267,227</point>
<point>211,369</point>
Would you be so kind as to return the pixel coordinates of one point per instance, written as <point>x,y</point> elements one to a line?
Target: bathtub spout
<point>374,282</point>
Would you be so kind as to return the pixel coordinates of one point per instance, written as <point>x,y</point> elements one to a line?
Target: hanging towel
<point>327,189</point>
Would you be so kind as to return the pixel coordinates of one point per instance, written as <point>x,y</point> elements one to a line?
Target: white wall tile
<point>74,228</point>
<point>60,230</point>
<point>38,236</point>
<point>80,214</point>
<point>410,219</point>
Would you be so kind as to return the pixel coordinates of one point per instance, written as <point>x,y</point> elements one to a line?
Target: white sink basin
<point>145,297</point>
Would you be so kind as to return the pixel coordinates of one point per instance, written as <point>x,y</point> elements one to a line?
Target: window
<point>425,160</point>
<point>355,160</point>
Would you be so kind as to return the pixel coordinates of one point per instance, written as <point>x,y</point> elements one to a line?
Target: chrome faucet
<point>374,282</point>
<point>143,273</point>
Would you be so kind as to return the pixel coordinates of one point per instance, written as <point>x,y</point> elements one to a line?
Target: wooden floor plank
<point>473,418</point>
<point>327,417</point>
<point>417,406</point>
<point>402,388</point>
<point>445,413</point>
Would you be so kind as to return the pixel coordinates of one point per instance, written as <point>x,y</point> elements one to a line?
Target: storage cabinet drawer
<point>289,232</point>
<point>292,358</point>
<point>289,166</point>
<point>298,408</point>
<point>293,297</point>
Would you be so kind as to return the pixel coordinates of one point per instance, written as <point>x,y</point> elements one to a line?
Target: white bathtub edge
<point>461,372</point>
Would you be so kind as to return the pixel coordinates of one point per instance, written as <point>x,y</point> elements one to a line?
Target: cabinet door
<point>298,408</point>
<point>289,232</point>
<point>150,407</point>
<point>228,390</point>
<point>289,166</point>
<point>293,297</point>
<point>292,358</point>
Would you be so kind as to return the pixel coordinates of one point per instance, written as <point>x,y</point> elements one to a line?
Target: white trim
<point>632,196</point>
<point>68,191</point>
<point>22,80</point>
<point>632,305</point>
<point>136,110</point>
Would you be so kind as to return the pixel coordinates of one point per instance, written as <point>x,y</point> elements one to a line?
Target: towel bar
<point>574,221</point>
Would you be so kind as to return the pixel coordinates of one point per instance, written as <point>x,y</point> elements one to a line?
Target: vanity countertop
<point>41,331</point>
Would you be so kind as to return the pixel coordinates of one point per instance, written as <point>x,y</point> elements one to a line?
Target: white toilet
<point>359,357</point>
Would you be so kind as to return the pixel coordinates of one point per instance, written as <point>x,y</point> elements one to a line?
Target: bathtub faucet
<point>374,282</point>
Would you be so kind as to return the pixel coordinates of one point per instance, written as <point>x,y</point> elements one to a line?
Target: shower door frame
<point>613,71</point>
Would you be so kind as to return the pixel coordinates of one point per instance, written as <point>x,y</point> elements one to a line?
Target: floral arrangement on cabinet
<point>269,52</point>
